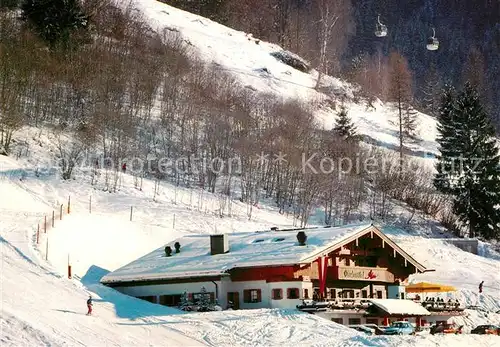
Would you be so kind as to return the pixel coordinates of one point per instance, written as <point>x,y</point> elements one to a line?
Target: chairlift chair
<point>432,42</point>
<point>380,29</point>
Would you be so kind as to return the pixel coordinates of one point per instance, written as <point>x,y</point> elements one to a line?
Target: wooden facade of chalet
<point>361,267</point>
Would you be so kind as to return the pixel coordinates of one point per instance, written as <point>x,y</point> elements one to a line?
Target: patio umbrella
<point>426,287</point>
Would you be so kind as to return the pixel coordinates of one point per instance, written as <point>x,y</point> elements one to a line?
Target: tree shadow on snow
<point>125,306</point>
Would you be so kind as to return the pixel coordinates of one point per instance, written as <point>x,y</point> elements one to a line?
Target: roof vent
<point>302,238</point>
<point>219,244</point>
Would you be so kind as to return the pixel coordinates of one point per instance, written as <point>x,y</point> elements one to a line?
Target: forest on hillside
<point>468,31</point>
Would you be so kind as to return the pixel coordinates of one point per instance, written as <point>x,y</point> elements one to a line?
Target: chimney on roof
<point>302,238</point>
<point>219,244</point>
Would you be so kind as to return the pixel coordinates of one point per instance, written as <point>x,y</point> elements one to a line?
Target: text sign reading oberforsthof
<point>364,274</point>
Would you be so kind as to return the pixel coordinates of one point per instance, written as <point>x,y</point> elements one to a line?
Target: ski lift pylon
<point>380,29</point>
<point>432,42</point>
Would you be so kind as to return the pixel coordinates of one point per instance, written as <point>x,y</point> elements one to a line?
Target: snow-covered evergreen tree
<point>344,126</point>
<point>409,122</point>
<point>469,166</point>
<point>204,304</point>
<point>447,142</point>
<point>186,304</point>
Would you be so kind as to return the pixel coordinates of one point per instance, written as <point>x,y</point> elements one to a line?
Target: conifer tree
<point>344,126</point>
<point>55,21</point>
<point>204,304</point>
<point>431,91</point>
<point>409,120</point>
<point>185,302</point>
<point>469,165</point>
<point>447,141</point>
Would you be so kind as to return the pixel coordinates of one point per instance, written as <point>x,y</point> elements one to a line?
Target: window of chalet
<point>364,293</point>
<point>306,293</point>
<point>347,294</point>
<point>371,321</point>
<point>251,296</point>
<point>170,300</point>
<point>347,262</point>
<point>277,294</point>
<point>354,321</point>
<point>292,293</point>
<point>151,298</point>
<point>332,293</point>
<point>338,320</point>
<point>379,294</point>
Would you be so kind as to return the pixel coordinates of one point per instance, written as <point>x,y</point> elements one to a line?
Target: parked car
<point>446,328</point>
<point>488,329</point>
<point>363,329</point>
<point>400,328</point>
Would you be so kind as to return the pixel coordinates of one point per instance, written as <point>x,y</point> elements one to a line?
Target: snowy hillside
<point>251,62</point>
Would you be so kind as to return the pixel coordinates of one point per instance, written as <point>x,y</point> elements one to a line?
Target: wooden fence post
<point>69,268</point>
<point>173,223</point>
<point>90,204</point>
<point>53,217</point>
<point>38,234</point>
<point>45,224</point>
<point>69,204</point>
<point>47,250</point>
<point>131,209</point>
<point>60,212</point>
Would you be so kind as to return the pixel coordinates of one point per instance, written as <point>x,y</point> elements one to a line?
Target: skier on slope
<point>89,305</point>
<point>481,287</point>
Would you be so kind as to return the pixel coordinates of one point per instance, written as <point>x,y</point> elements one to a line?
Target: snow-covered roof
<point>247,249</point>
<point>400,307</point>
